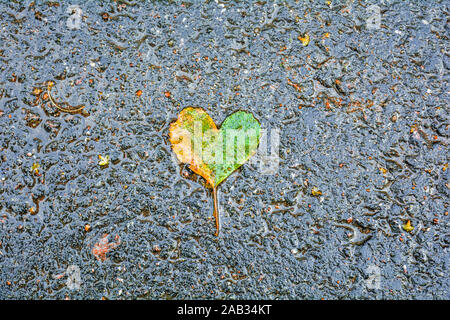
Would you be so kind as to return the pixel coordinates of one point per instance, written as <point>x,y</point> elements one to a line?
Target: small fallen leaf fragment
<point>304,40</point>
<point>37,91</point>
<point>35,168</point>
<point>394,118</point>
<point>104,161</point>
<point>408,227</point>
<point>104,246</point>
<point>316,192</point>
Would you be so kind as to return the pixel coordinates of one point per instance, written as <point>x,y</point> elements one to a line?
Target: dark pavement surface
<point>362,114</point>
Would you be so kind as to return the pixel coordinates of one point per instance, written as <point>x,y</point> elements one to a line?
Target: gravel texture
<point>361,114</point>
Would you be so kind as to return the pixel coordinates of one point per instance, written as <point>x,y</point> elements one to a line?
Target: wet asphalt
<point>360,112</point>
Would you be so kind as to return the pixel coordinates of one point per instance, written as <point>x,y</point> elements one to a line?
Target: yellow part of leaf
<point>186,136</point>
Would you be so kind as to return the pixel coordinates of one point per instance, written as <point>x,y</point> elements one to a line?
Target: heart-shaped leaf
<point>210,152</point>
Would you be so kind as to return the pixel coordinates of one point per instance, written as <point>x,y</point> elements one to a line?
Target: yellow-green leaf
<point>211,152</point>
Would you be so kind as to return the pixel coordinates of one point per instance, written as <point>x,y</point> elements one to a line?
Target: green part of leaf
<point>238,140</point>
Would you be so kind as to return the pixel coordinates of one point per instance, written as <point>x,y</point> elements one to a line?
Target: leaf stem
<point>216,211</point>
